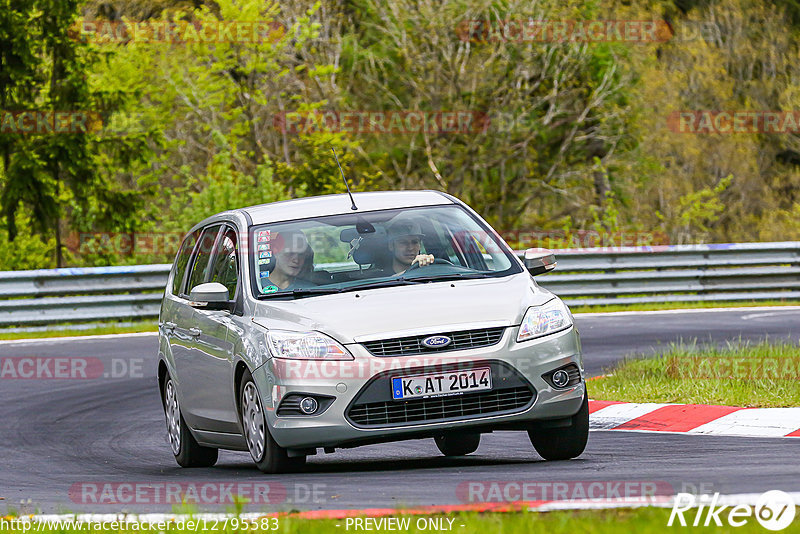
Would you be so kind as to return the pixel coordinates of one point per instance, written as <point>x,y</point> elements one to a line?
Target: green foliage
<point>28,250</point>
<point>222,188</point>
<point>55,175</point>
<point>700,208</point>
<point>577,139</point>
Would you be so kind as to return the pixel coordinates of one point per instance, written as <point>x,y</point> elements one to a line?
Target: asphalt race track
<point>60,437</point>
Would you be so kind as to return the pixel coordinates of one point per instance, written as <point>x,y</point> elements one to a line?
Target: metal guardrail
<point>48,296</point>
<point>626,275</point>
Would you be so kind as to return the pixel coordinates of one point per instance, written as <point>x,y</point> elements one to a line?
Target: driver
<point>405,240</point>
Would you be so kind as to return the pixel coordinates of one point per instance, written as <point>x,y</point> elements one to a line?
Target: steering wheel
<point>436,261</point>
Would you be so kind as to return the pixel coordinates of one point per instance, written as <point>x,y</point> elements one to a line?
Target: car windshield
<point>374,249</point>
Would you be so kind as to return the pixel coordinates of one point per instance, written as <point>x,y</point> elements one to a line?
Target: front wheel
<point>266,453</point>
<point>187,452</point>
<point>458,443</point>
<point>563,443</point>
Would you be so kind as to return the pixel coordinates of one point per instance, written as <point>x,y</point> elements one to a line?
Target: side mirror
<point>211,296</point>
<point>539,260</point>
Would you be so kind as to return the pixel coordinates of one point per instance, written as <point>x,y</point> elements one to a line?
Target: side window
<point>202,256</point>
<point>182,260</point>
<point>225,267</point>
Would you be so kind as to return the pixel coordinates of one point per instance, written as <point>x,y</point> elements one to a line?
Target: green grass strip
<point>739,374</point>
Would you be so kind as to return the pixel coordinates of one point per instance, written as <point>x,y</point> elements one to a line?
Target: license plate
<point>409,387</point>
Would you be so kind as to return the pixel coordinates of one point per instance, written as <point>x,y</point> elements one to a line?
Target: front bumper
<point>346,380</point>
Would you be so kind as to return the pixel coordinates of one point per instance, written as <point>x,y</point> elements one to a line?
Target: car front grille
<point>428,410</point>
<point>406,346</point>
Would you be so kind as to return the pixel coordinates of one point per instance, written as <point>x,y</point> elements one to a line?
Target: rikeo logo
<point>774,510</point>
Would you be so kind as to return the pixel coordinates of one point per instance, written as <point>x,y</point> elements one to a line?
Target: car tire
<point>266,453</point>
<point>458,443</point>
<point>563,443</point>
<point>187,452</point>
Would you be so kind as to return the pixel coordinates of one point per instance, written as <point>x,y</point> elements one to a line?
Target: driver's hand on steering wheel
<point>423,259</point>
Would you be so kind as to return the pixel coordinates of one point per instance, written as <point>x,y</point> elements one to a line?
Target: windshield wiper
<point>403,281</point>
<point>392,282</point>
<point>383,283</point>
<point>450,276</point>
<point>301,292</point>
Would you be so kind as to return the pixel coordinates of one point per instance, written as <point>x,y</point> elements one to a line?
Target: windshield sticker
<point>264,274</point>
<point>263,262</point>
<point>266,254</point>
<point>264,246</point>
<point>263,239</point>
<point>271,289</point>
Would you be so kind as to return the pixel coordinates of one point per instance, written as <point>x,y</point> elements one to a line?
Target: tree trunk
<point>59,255</point>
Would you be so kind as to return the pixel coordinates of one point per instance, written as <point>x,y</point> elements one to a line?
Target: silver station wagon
<point>331,322</point>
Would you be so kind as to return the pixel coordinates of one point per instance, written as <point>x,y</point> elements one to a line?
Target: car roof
<point>340,204</point>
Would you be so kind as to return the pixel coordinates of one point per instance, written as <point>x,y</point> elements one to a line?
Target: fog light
<point>309,405</point>
<point>560,378</point>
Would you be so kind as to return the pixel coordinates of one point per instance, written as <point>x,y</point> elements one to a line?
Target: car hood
<point>429,308</point>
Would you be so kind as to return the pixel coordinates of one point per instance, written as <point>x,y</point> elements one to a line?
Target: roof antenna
<point>353,207</point>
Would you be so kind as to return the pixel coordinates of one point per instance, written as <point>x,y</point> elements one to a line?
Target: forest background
<point>573,141</point>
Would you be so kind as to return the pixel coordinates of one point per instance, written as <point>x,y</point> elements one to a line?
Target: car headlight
<point>548,318</point>
<point>305,346</point>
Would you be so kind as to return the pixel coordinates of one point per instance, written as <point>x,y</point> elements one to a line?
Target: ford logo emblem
<point>434,342</point>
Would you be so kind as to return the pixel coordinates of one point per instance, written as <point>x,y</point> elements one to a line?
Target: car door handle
<point>169,325</point>
<point>195,331</point>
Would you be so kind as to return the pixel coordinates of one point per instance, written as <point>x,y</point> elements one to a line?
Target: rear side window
<point>225,269</point>
<point>202,256</point>
<point>184,255</point>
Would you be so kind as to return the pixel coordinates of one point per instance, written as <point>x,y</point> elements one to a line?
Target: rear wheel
<point>458,443</point>
<point>268,455</point>
<point>563,443</point>
<point>187,452</point>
